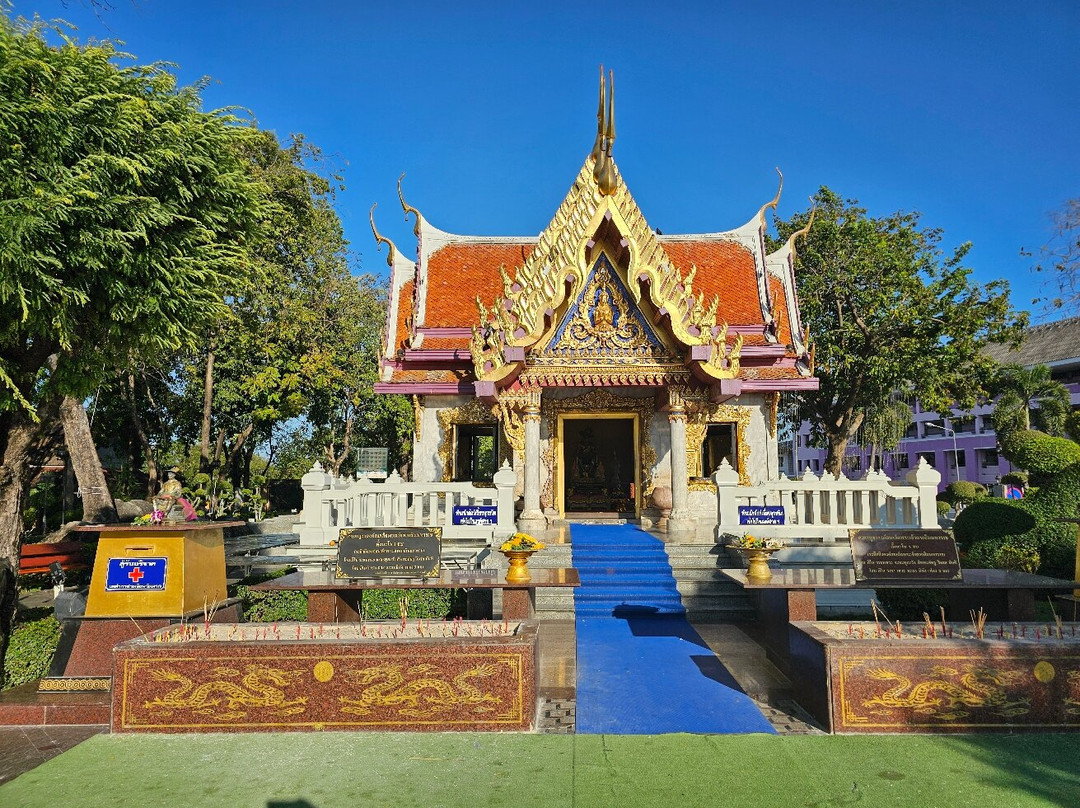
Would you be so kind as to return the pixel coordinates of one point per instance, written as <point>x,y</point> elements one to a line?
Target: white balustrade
<point>826,507</point>
<point>333,504</point>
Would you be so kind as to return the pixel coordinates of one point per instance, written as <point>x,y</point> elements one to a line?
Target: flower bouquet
<point>518,548</point>
<point>756,550</point>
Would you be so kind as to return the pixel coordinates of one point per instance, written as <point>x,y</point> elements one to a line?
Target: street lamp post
<point>955,451</point>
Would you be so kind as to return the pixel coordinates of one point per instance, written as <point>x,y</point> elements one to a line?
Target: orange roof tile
<point>431,343</point>
<point>457,273</point>
<point>724,268</point>
<point>401,329</point>
<point>431,376</point>
<point>780,310</point>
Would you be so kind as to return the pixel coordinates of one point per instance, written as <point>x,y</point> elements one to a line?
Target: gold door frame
<point>560,462</point>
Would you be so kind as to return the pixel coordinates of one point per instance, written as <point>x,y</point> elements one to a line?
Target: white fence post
<point>926,478</point>
<point>727,508</point>
<point>505,479</point>
<point>316,508</point>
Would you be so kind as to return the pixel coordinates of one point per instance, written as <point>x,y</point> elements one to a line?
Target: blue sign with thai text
<point>475,514</point>
<point>761,514</point>
<point>136,574</point>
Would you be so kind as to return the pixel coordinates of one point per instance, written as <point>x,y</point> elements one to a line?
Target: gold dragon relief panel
<point>956,691</point>
<point>442,687</point>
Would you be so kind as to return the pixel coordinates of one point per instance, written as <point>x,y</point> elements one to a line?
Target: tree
<point>884,427</point>
<point>1060,260</point>
<point>888,311</point>
<point>123,211</point>
<point>1023,394</point>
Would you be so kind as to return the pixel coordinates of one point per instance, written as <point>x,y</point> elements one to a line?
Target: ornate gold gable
<point>602,339</point>
<point>558,268</point>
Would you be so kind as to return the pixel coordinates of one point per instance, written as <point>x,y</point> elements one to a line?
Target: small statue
<point>170,501</point>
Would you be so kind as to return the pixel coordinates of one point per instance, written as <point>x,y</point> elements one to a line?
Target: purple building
<point>962,446</point>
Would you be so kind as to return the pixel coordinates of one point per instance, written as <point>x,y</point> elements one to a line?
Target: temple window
<point>475,451</point>
<point>719,444</point>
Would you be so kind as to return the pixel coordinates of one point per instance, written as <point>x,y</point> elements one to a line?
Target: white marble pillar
<point>679,520</point>
<point>532,513</point>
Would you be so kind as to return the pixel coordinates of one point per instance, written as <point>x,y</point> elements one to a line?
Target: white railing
<point>827,507</point>
<point>331,504</point>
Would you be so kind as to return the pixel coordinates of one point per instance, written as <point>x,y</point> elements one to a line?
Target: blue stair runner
<point>641,667</point>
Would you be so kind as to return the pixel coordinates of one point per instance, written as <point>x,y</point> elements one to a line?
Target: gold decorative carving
<point>698,425</point>
<point>600,401</point>
<point>772,400</point>
<point>472,412</point>
<point>418,415</point>
<point>418,691</point>
<point>259,686</point>
<point>611,327</point>
<point>74,684</point>
<point>949,693</point>
<point>557,266</point>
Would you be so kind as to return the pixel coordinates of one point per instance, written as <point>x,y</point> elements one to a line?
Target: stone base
<point>936,685</point>
<point>274,683</point>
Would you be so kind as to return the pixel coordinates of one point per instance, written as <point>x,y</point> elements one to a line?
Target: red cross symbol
<point>136,575</point>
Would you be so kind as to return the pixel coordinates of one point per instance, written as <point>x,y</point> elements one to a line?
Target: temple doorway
<point>599,464</point>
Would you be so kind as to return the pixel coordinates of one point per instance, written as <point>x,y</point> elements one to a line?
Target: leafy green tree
<point>884,427</point>
<point>1027,395</point>
<point>888,311</point>
<point>123,212</point>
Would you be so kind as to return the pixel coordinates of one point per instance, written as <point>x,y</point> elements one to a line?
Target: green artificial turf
<point>358,770</point>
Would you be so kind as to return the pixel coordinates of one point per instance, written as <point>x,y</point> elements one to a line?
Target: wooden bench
<point>36,558</point>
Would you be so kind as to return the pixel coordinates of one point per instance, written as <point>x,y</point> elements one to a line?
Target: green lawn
<point>358,770</point>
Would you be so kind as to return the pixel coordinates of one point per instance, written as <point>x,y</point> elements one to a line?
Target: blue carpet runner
<point>641,667</point>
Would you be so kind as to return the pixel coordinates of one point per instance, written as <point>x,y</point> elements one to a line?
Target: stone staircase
<point>707,595</point>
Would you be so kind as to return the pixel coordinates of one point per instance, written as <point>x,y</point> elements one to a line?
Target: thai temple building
<point>612,367</point>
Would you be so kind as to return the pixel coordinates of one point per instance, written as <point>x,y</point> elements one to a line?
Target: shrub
<point>1017,479</point>
<point>943,508</point>
<point>267,607</point>
<point>909,604</point>
<point>430,604</point>
<point>31,649</point>
<point>963,492</point>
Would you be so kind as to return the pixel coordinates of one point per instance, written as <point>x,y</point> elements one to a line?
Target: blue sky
<point>966,111</point>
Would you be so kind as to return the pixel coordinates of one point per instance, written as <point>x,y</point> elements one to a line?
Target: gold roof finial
<point>774,201</point>
<point>606,176</point>
<point>381,239</point>
<point>803,231</point>
<point>598,144</point>
<point>408,208</point>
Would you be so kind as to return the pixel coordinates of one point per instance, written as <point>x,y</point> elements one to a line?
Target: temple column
<point>532,518</point>
<point>679,520</point>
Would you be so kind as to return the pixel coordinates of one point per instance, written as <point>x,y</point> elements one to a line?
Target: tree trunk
<point>98,504</point>
<point>847,426</point>
<point>144,440</point>
<point>21,443</point>
<point>205,463</point>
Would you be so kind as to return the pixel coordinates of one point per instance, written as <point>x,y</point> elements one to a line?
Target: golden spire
<point>598,145</point>
<point>381,239</point>
<point>606,176</point>
<point>407,207</point>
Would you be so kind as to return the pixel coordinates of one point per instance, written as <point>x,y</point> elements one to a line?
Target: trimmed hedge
<point>962,492</point>
<point>1026,533</point>
<point>1041,454</point>
<point>30,652</point>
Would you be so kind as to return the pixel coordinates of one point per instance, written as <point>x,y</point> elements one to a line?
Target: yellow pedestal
<point>157,571</point>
